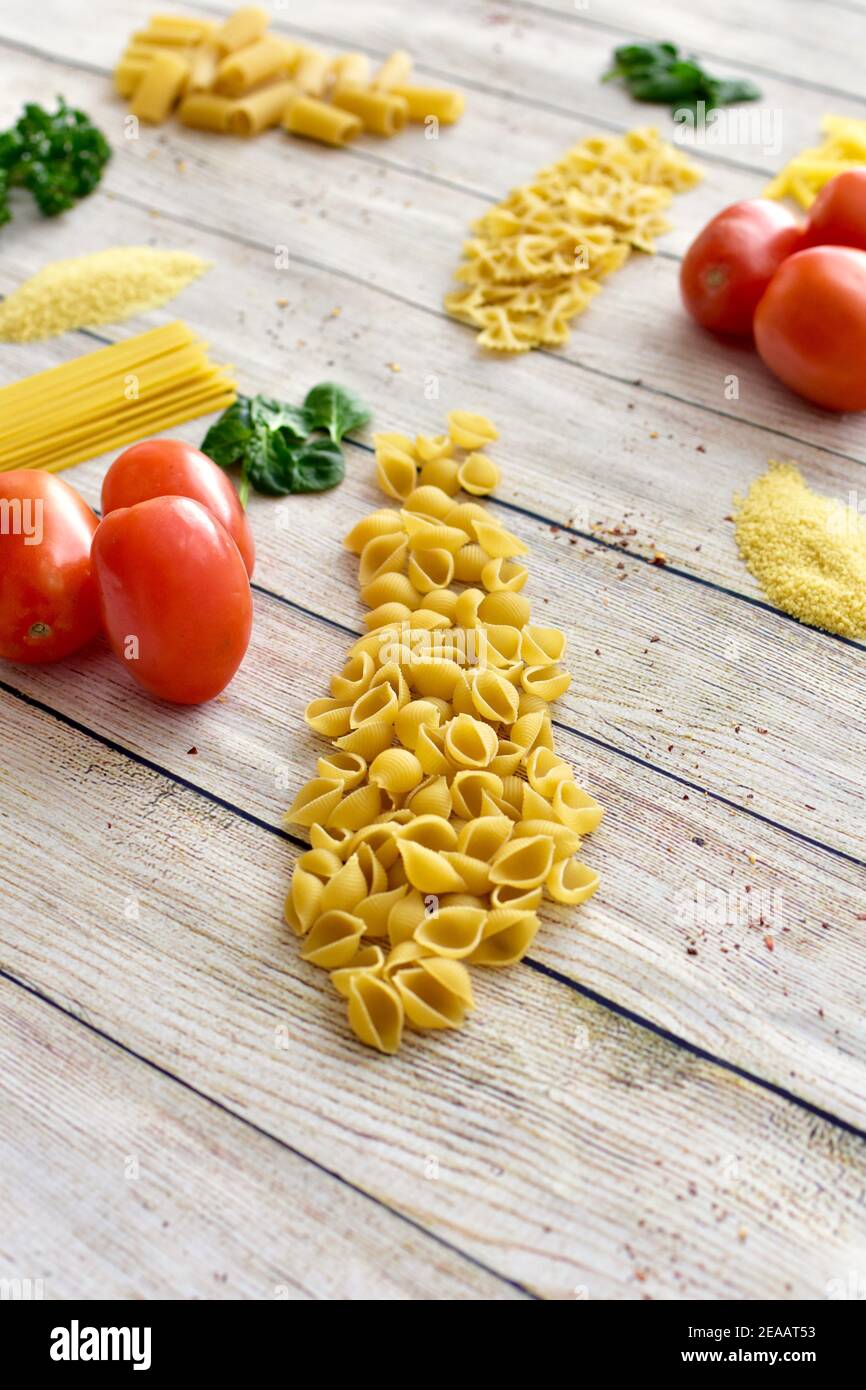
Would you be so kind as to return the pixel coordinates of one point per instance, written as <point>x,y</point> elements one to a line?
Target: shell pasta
<point>440,812</point>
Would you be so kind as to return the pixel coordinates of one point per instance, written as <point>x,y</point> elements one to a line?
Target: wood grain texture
<point>728,671</point>
<point>562,1146</point>
<point>116,1182</point>
<point>575,1150</point>
<point>710,923</point>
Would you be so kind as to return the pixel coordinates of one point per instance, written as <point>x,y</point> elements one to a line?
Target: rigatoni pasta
<point>241,61</point>
<point>441,813</point>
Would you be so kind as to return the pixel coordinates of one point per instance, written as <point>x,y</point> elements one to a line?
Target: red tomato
<point>175,597</point>
<point>170,468</point>
<point>810,326</point>
<point>48,603</point>
<point>838,215</point>
<point>729,265</point>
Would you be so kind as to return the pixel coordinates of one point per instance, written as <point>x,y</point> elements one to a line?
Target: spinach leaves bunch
<point>657,72</point>
<point>284,449</point>
<point>58,156</point>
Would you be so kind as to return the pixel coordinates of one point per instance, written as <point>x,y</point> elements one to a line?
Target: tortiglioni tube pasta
<point>352,67</point>
<point>161,85</point>
<point>242,27</point>
<point>383,113</point>
<point>443,103</point>
<point>395,71</point>
<point>318,121</point>
<point>238,73</point>
<point>261,109</point>
<point>312,72</point>
<point>206,111</point>
<point>203,64</point>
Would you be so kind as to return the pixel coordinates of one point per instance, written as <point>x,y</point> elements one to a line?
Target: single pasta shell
<point>428,1002</point>
<point>523,863</point>
<point>470,431</point>
<point>370,960</point>
<point>315,801</point>
<point>571,882</point>
<point>375,1012</point>
<point>427,870</point>
<point>333,940</point>
<point>452,932</point>
<point>375,910</point>
<point>346,889</point>
<point>508,936</point>
<point>478,475</point>
<point>576,808</point>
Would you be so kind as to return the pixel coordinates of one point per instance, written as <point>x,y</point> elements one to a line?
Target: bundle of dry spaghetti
<point>110,397</point>
<point>536,259</point>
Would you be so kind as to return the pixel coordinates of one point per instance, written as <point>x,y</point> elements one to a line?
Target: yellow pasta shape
<point>441,813</point>
<point>382,523</point>
<point>260,110</point>
<point>182,28</point>
<point>396,770</point>
<point>315,801</point>
<point>434,997</point>
<point>333,940</point>
<point>496,541</point>
<point>348,768</point>
<point>442,103</point>
<point>452,932</point>
<point>470,431</point>
<point>203,64</point>
<point>396,471</point>
<point>352,68</point>
<point>547,681</point>
<point>576,808</point>
<point>494,697</point>
<point>432,502</point>
<point>431,798</point>
<point>369,960</point>
<point>426,869</point>
<point>317,121</point>
<point>246,68</point>
<point>478,474</point>
<point>523,863</point>
<point>206,111</point>
<point>382,113</point>
<point>160,87</point>
<point>312,72</point>
<point>469,742</point>
<point>441,472</point>
<point>375,1012</point>
<point>505,609</point>
<point>508,934</point>
<point>396,69</point>
<point>242,27</point>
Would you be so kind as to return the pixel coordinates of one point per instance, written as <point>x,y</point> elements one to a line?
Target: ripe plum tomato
<point>838,215</point>
<point>171,468</point>
<point>810,326</point>
<point>175,597</point>
<point>730,263</point>
<point>48,602</point>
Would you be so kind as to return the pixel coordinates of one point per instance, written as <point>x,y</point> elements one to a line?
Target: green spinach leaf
<point>333,408</point>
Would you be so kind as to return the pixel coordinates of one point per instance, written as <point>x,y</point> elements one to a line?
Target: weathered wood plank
<point>711,924</point>
<point>116,1182</point>
<point>531,1141</point>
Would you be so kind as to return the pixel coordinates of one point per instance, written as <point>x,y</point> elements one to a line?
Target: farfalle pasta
<point>440,812</point>
<point>536,260</point>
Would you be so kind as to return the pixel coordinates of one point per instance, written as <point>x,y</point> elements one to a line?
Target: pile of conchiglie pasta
<point>440,812</point>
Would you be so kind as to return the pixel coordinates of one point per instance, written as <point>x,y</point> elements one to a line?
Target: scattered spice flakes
<point>180,166</point>
<point>742,1234</point>
<point>393,366</point>
<point>336,311</point>
<point>691,950</point>
<point>762,731</point>
<point>655,639</point>
<point>769,943</point>
<point>659,558</point>
<point>697,840</point>
<point>653,434</point>
<point>282,303</point>
<point>701,448</point>
<point>752,858</point>
<point>192,750</point>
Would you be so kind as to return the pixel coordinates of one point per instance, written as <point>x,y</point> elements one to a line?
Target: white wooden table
<point>656,1104</point>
